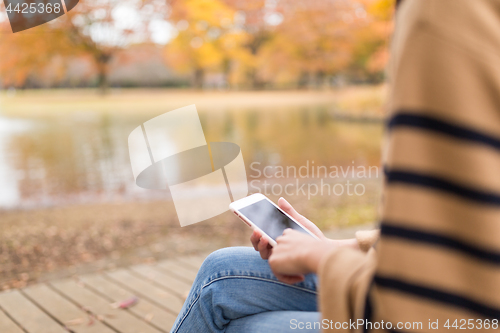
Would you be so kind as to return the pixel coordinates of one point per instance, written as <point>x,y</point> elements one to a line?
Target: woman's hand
<point>297,254</point>
<point>262,245</point>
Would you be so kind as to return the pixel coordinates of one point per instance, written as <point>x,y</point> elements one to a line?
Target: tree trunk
<point>226,67</point>
<point>198,78</point>
<point>102,72</point>
<point>259,39</point>
<point>303,80</point>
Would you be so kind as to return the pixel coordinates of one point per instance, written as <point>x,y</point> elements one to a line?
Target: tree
<point>206,38</point>
<point>315,41</point>
<point>24,54</point>
<point>371,47</point>
<point>96,29</point>
<point>219,35</point>
<point>253,20</point>
<point>252,43</point>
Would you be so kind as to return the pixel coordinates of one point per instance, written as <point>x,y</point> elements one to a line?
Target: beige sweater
<point>438,257</point>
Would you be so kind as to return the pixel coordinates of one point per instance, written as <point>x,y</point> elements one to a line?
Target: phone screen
<point>269,219</point>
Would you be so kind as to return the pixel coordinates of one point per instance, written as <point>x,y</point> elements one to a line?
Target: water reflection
<point>84,157</point>
<point>9,194</point>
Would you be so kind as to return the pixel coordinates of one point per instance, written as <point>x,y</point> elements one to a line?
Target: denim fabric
<point>276,321</point>
<point>236,291</point>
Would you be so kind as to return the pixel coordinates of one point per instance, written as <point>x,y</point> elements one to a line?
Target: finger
<point>279,239</point>
<point>262,243</point>
<point>290,279</point>
<point>285,205</point>
<point>294,279</point>
<point>255,238</point>
<point>269,251</point>
<point>285,233</point>
<point>263,248</point>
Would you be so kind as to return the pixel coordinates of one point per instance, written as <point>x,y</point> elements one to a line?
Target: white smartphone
<point>260,213</point>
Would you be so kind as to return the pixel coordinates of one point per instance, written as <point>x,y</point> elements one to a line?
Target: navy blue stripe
<point>368,309</point>
<point>388,230</point>
<point>368,315</point>
<point>440,126</point>
<point>438,296</point>
<point>398,176</point>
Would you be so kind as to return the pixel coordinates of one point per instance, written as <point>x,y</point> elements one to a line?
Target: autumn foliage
<point>246,44</point>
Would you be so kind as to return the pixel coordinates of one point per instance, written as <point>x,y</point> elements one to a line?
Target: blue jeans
<point>236,291</point>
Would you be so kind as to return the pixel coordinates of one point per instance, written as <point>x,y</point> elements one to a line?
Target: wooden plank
<point>144,309</point>
<point>64,311</point>
<point>173,283</point>
<point>120,320</point>
<point>27,314</point>
<point>144,288</point>
<point>7,325</point>
<point>174,268</point>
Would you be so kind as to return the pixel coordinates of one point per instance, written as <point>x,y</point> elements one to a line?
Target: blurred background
<point>290,81</point>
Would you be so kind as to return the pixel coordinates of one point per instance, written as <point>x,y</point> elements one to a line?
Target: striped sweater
<point>437,261</point>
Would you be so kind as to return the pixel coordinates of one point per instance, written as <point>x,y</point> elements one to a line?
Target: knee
<point>225,257</point>
<point>225,260</point>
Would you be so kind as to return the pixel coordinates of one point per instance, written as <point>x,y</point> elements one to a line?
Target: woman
<point>437,262</point>
<point>236,291</point>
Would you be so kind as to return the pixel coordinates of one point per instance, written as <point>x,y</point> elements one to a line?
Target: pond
<point>83,157</point>
<point>68,200</point>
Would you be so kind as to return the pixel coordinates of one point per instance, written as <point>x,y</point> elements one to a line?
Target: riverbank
<point>362,100</point>
<point>44,243</point>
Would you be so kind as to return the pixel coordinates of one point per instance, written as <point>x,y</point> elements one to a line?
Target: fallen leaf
<point>75,322</point>
<point>125,304</point>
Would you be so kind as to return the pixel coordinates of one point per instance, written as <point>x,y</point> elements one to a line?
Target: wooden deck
<point>84,304</point>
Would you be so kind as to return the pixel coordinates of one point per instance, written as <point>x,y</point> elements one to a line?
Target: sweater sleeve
<point>437,257</point>
<point>344,275</point>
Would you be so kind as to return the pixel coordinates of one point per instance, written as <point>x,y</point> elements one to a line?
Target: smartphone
<point>261,214</point>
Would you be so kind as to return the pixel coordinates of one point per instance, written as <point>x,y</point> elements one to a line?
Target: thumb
<point>287,208</point>
<point>285,205</point>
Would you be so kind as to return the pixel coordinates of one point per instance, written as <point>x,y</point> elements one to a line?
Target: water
<point>83,157</point>
<point>9,194</point>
